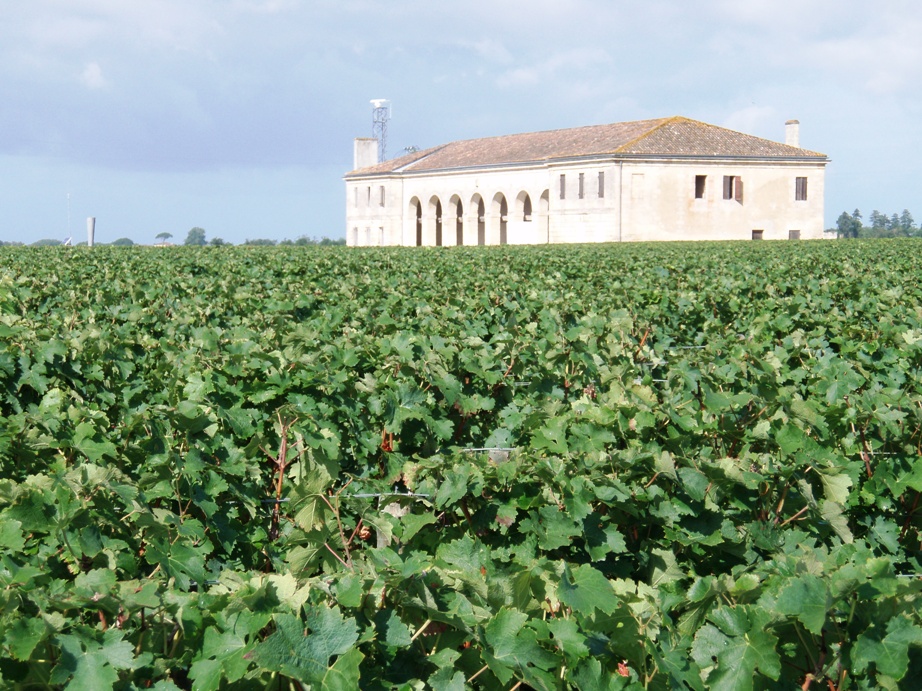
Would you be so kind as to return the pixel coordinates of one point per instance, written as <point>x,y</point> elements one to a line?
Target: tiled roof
<point>675,136</point>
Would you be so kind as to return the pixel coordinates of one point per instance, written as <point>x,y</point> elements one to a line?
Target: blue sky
<point>238,116</point>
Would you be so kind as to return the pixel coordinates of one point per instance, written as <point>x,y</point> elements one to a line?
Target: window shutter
<point>738,188</point>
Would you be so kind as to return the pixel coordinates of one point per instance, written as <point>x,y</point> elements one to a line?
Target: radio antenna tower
<point>381,113</point>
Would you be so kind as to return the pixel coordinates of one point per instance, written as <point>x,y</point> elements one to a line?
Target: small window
<point>733,188</point>
<point>800,192</point>
<point>368,199</point>
<point>563,186</point>
<point>757,234</point>
<point>582,185</point>
<point>381,193</point>
<point>601,184</point>
<point>793,235</point>
<point>700,181</point>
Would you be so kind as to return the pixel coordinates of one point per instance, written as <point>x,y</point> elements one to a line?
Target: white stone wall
<point>668,210</point>
<point>641,200</point>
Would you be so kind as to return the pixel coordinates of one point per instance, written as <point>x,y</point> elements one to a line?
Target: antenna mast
<point>381,113</point>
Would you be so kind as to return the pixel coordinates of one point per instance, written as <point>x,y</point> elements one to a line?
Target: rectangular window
<point>800,192</point>
<point>563,186</point>
<point>601,184</point>
<point>733,188</point>
<point>700,181</point>
<point>793,235</point>
<point>368,197</point>
<point>381,192</point>
<point>757,234</point>
<point>582,185</point>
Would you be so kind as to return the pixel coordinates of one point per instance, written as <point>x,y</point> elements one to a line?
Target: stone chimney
<point>365,152</point>
<point>792,133</point>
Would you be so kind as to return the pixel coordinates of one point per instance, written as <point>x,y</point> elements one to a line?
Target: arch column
<point>433,225</point>
<point>470,228</point>
<point>498,220</point>
<point>410,235</point>
<point>452,224</point>
<point>544,216</point>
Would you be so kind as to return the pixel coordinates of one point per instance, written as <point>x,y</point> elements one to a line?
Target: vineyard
<point>613,467</point>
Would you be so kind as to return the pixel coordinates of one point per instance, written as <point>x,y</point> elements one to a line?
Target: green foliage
<point>881,225</point>
<point>639,466</point>
<point>195,237</point>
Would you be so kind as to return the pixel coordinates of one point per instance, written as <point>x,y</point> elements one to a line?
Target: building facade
<point>665,179</point>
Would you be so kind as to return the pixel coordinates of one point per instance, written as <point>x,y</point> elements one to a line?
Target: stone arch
<point>499,213</point>
<point>455,219</point>
<point>544,216</point>
<point>416,213</point>
<point>479,207</point>
<point>523,210</point>
<point>435,227</point>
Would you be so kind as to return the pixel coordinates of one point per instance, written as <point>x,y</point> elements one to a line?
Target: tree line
<point>196,236</point>
<point>880,225</point>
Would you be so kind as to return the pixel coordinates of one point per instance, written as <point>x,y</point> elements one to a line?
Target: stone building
<point>665,179</point>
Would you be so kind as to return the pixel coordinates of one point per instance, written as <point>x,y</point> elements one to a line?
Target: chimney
<point>792,133</point>
<point>366,152</point>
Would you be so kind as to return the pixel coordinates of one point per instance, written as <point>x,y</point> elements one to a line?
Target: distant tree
<point>286,243</point>
<point>163,237</point>
<point>893,225</point>
<point>907,223</point>
<point>260,242</point>
<point>217,242</point>
<point>47,242</point>
<point>848,225</point>
<point>196,237</point>
<point>123,242</point>
<point>878,221</point>
<point>881,225</point>
<point>329,241</point>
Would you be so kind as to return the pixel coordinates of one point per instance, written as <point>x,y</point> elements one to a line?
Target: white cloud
<point>753,119</point>
<point>265,6</point>
<point>125,26</point>
<point>882,59</point>
<point>92,77</point>
<point>520,76</point>
<point>492,50</point>
<point>561,69</point>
